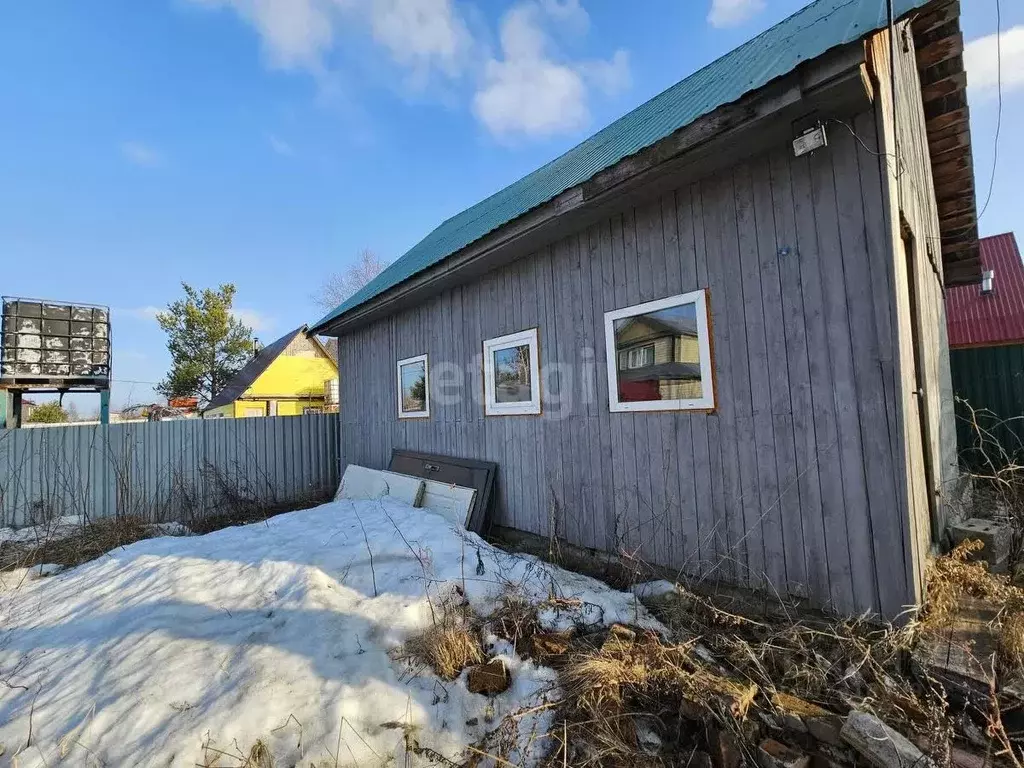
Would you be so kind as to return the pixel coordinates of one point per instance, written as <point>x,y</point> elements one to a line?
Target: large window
<point>512,375</point>
<point>413,388</point>
<point>659,355</point>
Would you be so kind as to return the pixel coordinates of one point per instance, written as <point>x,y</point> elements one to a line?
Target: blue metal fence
<point>168,470</point>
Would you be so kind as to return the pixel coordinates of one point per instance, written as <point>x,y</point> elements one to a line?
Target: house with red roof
<point>986,340</point>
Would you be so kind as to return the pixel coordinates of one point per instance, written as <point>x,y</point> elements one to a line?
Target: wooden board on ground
<point>364,483</point>
<point>452,502</point>
<point>451,470</point>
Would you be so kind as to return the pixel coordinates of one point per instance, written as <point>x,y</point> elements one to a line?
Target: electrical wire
<point>999,112</point>
<point>897,171</point>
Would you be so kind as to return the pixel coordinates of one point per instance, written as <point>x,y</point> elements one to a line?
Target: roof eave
<point>761,118</point>
<point>939,45</point>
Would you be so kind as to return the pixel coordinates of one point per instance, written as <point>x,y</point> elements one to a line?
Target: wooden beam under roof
<point>940,45</point>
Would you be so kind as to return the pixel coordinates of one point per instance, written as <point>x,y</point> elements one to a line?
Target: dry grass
<point>1011,643</point>
<point>242,511</point>
<point>516,620</point>
<point>638,700</point>
<point>86,543</point>
<point>258,756</point>
<point>825,662</point>
<point>450,645</point>
<point>101,535</point>
<point>953,577</point>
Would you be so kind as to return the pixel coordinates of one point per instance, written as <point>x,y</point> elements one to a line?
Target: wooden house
<point>291,377</point>
<point>712,335</point>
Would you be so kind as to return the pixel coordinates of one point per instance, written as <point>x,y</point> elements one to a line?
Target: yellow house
<point>287,378</point>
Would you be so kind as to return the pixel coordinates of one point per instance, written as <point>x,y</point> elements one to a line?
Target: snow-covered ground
<point>58,528</point>
<point>287,631</point>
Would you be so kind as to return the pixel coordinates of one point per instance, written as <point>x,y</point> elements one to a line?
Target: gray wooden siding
<point>792,481</point>
<point>909,197</point>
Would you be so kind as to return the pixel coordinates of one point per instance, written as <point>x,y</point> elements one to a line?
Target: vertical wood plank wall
<point>794,481</point>
<point>910,194</point>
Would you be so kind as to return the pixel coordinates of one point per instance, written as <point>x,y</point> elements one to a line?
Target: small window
<point>637,357</point>
<point>413,395</point>
<point>659,355</point>
<point>512,375</point>
<point>251,412</point>
<point>306,411</point>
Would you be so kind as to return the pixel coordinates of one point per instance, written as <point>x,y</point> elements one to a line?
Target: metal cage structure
<point>52,346</point>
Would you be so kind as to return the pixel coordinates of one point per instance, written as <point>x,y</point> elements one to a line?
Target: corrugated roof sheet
<point>821,26</point>
<point>975,319</point>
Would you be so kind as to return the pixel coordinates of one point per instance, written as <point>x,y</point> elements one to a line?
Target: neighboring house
<point>986,339</point>
<point>658,357</point>
<point>792,426</point>
<point>27,407</point>
<point>287,378</point>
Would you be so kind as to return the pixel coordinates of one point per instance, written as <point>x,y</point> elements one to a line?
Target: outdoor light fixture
<point>811,139</point>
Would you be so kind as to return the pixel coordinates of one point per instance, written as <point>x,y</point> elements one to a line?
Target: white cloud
<point>254,319</point>
<point>982,65</point>
<point>280,146</point>
<point>295,33</point>
<point>142,155</point>
<point>612,76</point>
<point>526,89</point>
<point>568,12</point>
<point>731,13</point>
<point>421,35</point>
<point>530,92</point>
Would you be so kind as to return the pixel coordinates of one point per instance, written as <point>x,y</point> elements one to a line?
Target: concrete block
<point>880,745</point>
<point>996,536</point>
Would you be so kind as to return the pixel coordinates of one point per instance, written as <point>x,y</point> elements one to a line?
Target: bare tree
<point>340,285</point>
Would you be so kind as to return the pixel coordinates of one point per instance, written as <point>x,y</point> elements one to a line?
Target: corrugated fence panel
<point>989,380</point>
<point>167,470</point>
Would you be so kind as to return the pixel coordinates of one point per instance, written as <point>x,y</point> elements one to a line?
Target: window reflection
<point>512,375</point>
<point>658,355</point>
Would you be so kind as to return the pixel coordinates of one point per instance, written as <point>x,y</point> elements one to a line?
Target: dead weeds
<point>637,700</point>
<point>731,679</point>
<point>85,543</point>
<point>450,644</point>
<point>955,576</point>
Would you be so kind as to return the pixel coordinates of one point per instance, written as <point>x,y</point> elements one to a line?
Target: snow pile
<point>58,528</point>
<point>164,651</point>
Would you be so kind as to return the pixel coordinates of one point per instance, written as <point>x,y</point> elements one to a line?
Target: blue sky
<point>266,142</point>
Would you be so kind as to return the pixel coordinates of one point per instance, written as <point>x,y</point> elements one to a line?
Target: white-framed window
<point>659,355</point>
<point>512,374</point>
<point>413,388</point>
<point>253,412</point>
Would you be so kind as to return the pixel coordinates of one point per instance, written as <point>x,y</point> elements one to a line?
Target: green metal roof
<point>806,35</point>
